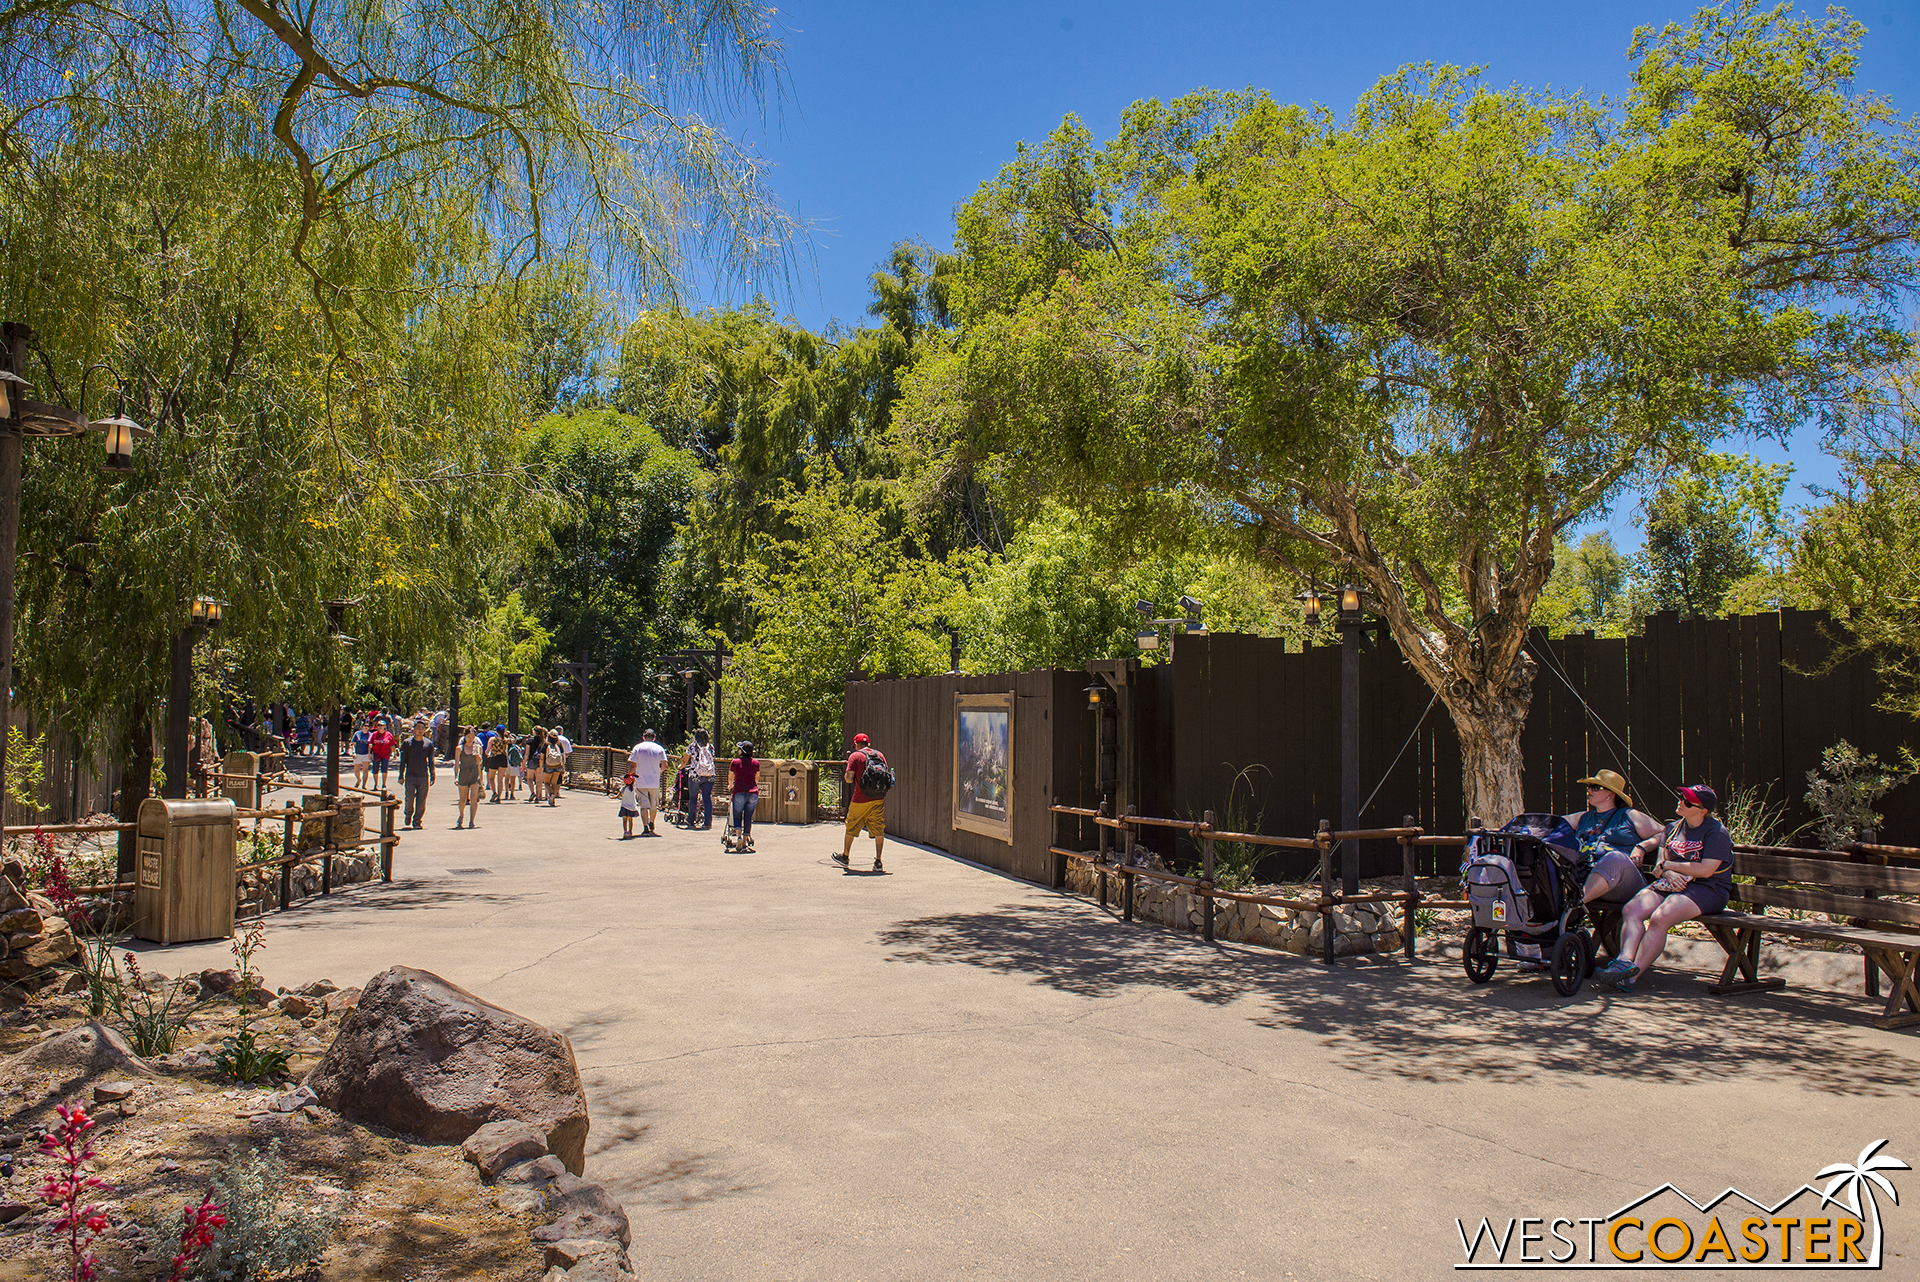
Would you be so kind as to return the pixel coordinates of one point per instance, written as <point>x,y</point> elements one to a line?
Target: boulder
<point>83,1050</point>
<point>541,1170</point>
<point>425,1057</point>
<point>498,1145</point>
<point>344,1000</point>
<point>595,1268</point>
<point>584,1224</point>
<point>317,989</point>
<point>567,1254</point>
<point>294,1005</point>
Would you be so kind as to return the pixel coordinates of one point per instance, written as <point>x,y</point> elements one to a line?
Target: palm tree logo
<point>1858,1177</point>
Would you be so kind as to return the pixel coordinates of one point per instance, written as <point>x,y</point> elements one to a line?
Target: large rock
<point>498,1145</point>
<point>81,1051</point>
<point>426,1057</point>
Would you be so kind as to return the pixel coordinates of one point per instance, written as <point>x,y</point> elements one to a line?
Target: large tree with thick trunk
<point>1411,346</point>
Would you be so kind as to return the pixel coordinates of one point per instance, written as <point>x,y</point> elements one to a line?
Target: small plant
<point>1843,790</point>
<point>202,1222</point>
<point>247,941</point>
<point>242,1058</point>
<point>64,1190</point>
<point>1235,862</point>
<point>261,1238</point>
<point>1753,818</point>
<point>151,1018</point>
<point>1424,920</point>
<point>25,767</point>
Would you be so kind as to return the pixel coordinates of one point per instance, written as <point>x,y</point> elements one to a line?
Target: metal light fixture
<point>1096,696</point>
<point>686,674</point>
<point>1195,628</point>
<point>204,611</point>
<point>1349,604</point>
<point>336,619</point>
<point>1310,599</point>
<point>13,391</point>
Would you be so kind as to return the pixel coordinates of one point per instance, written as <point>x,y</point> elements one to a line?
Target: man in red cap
<point>864,811</point>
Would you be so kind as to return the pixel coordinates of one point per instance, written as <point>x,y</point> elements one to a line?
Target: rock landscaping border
<point>1358,928</point>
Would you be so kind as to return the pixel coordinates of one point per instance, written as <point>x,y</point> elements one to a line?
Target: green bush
<point>262,1238</point>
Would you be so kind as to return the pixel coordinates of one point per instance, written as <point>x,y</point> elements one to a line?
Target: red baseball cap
<point>859,740</point>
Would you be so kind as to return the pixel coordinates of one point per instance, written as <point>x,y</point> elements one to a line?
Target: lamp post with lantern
<point>336,717</point>
<point>21,418</point>
<point>513,680</point>
<point>203,615</point>
<point>1351,621</point>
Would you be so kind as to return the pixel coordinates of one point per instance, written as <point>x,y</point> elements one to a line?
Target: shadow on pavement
<point>314,910</point>
<point>1422,1020</point>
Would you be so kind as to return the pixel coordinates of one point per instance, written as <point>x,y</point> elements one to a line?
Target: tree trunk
<point>136,784</point>
<point>1489,726</point>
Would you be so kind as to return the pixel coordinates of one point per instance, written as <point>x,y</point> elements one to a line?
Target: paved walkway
<point>796,1073</point>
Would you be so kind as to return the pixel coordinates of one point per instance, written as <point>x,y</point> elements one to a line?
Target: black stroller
<point>1524,885</point>
<point>680,807</point>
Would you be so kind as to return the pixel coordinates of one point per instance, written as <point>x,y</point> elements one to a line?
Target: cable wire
<point>1546,655</point>
<point>1396,759</point>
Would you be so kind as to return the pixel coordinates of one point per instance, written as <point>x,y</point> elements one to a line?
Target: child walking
<point>629,807</point>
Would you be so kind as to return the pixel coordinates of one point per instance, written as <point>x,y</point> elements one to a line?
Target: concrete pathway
<point>797,1073</point>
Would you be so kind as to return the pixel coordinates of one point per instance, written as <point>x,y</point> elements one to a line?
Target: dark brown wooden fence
<point>1723,701</point>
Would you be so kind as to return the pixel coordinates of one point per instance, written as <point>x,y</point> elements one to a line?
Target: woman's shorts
<point>1710,897</point>
<point>1622,877</point>
<point>359,760</point>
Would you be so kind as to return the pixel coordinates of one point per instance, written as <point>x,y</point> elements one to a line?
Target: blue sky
<point>896,112</point>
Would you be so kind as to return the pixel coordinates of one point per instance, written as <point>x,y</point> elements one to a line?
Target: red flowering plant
<point>64,1191</point>
<point>197,1236</point>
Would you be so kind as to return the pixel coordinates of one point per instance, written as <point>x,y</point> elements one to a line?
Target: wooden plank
<point>1817,901</point>
<point>1812,930</point>
<point>1850,876</point>
<point>1716,721</point>
<point>1804,724</point>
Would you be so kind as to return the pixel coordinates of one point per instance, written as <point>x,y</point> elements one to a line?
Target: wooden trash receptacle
<point>242,784</point>
<point>185,870</point>
<point>795,787</point>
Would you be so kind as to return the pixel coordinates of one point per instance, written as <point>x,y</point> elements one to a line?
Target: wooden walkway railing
<point>1326,841</point>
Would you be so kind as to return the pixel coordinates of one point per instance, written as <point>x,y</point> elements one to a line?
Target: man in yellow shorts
<point>863,811</point>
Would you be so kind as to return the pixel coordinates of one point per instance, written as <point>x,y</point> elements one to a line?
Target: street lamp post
<point>19,419</point>
<point>1351,621</point>
<point>453,713</point>
<point>513,680</point>
<point>203,614</point>
<point>686,720</point>
<point>712,662</point>
<point>336,619</point>
<point>580,669</point>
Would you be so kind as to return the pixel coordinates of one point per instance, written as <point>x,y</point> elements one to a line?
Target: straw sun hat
<point>1613,783</point>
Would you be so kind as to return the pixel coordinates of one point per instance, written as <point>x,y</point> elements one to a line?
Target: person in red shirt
<point>380,746</point>
<point>863,811</point>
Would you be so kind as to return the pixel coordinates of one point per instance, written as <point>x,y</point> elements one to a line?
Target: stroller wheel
<point>1482,954</point>
<point>1569,964</point>
<point>1587,950</point>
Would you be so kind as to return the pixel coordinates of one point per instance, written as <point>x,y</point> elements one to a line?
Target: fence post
<point>386,836</point>
<point>1104,835</point>
<point>1324,840</point>
<point>606,770</point>
<point>326,854</point>
<point>1126,870</point>
<point>1206,884</point>
<point>1857,855</point>
<point>286,861</point>
<point>1413,892</point>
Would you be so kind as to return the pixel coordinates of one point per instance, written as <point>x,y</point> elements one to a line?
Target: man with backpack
<point>872,779</point>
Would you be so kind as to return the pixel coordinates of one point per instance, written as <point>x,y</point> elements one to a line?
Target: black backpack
<point>877,779</point>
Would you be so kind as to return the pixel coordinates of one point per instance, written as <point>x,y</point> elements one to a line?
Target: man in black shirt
<point>416,773</point>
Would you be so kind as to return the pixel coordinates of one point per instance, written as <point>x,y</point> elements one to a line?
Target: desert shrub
<point>263,1237</point>
<point>1842,791</point>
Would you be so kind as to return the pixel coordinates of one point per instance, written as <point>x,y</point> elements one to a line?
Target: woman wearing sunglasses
<point>1693,878</point>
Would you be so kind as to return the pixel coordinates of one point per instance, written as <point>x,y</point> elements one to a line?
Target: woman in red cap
<point>1693,878</point>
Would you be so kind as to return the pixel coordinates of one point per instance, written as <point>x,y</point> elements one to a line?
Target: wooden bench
<point>1840,890</point>
<point>1783,878</point>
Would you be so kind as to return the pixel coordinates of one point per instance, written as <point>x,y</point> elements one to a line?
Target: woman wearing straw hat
<point>1612,834</point>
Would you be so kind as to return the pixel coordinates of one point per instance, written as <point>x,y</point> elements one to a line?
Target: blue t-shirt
<point>1604,832</point>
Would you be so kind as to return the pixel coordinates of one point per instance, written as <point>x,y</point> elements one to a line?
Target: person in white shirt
<point>648,759</point>
<point>700,766</point>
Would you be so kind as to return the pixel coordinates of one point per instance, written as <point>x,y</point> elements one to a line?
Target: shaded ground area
<point>796,1073</point>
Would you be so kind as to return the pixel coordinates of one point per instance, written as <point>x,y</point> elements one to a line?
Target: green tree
<point>600,561</point>
<point>509,639</point>
<point>1414,346</point>
<point>841,595</point>
<point>1588,590</point>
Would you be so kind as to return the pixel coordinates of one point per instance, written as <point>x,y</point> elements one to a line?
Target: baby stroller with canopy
<point>1524,885</point>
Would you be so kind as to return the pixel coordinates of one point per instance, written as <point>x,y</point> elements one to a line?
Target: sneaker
<point>877,867</point>
<point>840,859</point>
<point>1614,974</point>
<point>1624,984</point>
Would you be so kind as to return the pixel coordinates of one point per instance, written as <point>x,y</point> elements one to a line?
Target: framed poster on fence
<point>983,764</point>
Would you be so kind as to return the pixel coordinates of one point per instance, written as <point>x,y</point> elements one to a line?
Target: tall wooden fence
<point>1730,702</point>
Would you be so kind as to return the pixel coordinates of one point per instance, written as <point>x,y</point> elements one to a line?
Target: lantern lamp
<point>119,432</point>
<point>1310,599</point>
<point>13,390</point>
<point>1349,604</point>
<point>1096,696</point>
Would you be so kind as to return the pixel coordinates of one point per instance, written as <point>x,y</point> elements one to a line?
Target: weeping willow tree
<point>306,248</point>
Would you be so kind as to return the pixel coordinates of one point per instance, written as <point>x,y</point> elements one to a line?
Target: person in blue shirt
<point>1612,835</point>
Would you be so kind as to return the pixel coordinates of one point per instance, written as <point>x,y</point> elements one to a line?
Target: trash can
<point>243,791</point>
<point>185,870</point>
<point>795,791</point>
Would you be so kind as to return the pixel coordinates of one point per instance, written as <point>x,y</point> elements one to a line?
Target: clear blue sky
<point>896,112</point>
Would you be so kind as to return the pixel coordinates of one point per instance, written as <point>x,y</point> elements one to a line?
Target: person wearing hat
<point>1693,878</point>
<point>1612,834</point>
<point>863,812</point>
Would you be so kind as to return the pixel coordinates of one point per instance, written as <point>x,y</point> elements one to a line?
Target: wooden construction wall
<point>911,721</point>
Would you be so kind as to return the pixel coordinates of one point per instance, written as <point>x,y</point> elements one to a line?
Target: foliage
<point>1236,863</point>
<point>1588,589</point>
<point>262,1237</point>
<point>1707,530</point>
<point>1414,346</point>
<point>26,766</point>
<point>69,1146</point>
<point>1753,818</point>
<point>150,1015</point>
<point>244,1059</point>
<point>201,1222</point>
<point>841,595</point>
<point>1842,791</point>
<point>598,578</point>
<point>96,962</point>
<point>509,639</point>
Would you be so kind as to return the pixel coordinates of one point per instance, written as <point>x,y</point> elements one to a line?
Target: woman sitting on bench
<point>1694,878</point>
<point>1611,834</point>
